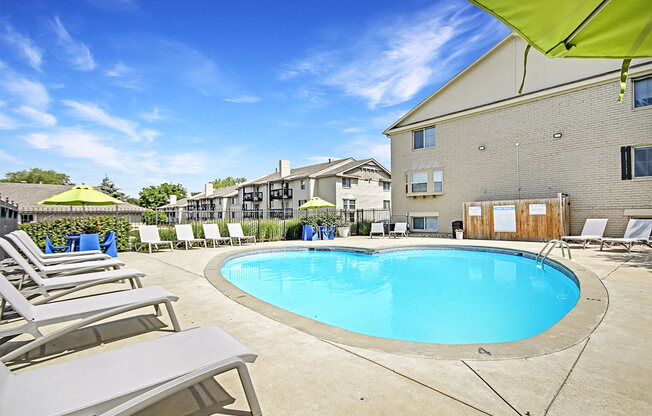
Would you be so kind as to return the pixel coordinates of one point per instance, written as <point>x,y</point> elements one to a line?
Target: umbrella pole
<point>83,215</point>
<point>116,225</point>
<point>71,219</point>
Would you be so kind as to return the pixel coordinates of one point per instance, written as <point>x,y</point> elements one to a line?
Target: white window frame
<point>425,224</point>
<point>426,144</point>
<point>346,181</point>
<point>440,182</point>
<point>412,183</point>
<point>346,204</point>
<point>303,184</point>
<point>634,81</point>
<point>387,204</point>
<point>634,162</point>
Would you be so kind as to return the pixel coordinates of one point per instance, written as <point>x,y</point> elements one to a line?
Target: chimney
<point>284,168</point>
<point>208,189</point>
<point>173,199</point>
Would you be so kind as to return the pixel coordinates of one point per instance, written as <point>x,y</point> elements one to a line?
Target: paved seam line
<point>492,389</point>
<point>172,265</point>
<point>567,376</point>
<point>619,266</point>
<point>406,377</point>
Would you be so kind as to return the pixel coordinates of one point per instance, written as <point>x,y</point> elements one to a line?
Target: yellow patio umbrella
<point>316,203</point>
<point>83,195</point>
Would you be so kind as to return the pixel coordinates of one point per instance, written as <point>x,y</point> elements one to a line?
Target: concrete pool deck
<point>608,372</point>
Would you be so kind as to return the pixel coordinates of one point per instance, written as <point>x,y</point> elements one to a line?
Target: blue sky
<point>155,91</point>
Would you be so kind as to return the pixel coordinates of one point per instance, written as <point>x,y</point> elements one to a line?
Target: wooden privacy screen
<point>519,219</point>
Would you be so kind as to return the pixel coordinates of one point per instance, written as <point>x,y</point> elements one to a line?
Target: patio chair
<point>212,233</point>
<point>185,235</point>
<point>592,231</point>
<point>235,231</point>
<point>149,236</point>
<point>86,311</point>
<point>308,233</point>
<point>126,380</point>
<point>377,228</point>
<point>110,245</point>
<point>400,229</point>
<point>331,233</point>
<point>42,285</point>
<point>23,243</point>
<point>638,231</point>
<point>89,242</point>
<point>69,268</point>
<point>51,248</point>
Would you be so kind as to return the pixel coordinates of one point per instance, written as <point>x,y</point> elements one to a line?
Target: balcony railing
<point>253,196</point>
<point>283,193</point>
<point>286,213</point>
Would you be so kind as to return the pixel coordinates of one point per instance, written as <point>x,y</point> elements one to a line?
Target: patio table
<point>73,241</point>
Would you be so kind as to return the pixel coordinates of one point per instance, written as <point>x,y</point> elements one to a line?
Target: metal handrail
<point>550,245</point>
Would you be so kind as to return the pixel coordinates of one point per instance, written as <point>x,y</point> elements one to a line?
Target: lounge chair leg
<point>173,316</point>
<point>150,248</point>
<point>248,387</point>
<point>157,309</point>
<point>629,248</point>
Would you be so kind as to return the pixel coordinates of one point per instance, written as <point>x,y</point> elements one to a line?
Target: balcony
<point>253,196</point>
<point>283,193</point>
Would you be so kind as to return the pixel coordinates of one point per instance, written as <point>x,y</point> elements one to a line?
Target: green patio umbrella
<point>316,203</point>
<point>83,195</point>
<point>616,29</point>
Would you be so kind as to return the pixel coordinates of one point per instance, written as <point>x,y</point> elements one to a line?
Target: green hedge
<point>59,228</point>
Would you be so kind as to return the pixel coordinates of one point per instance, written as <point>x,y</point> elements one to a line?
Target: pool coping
<point>572,329</point>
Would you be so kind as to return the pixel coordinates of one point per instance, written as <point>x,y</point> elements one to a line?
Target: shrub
<point>364,228</point>
<point>149,217</point>
<point>58,229</point>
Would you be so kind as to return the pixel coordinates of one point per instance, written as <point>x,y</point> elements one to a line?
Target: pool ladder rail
<point>550,245</point>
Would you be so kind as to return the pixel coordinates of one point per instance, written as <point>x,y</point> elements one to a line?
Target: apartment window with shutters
<point>423,138</point>
<point>346,182</point>
<point>438,180</point>
<point>420,182</point>
<point>643,161</point>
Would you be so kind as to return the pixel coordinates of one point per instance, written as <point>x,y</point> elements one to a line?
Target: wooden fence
<point>521,219</point>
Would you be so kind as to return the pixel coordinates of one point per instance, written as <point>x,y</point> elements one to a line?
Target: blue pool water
<point>435,296</point>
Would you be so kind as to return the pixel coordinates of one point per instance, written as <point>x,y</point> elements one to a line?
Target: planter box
<point>343,231</point>
<point>459,235</point>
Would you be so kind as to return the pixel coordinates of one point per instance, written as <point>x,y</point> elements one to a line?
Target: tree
<point>36,175</point>
<point>228,181</point>
<point>155,196</point>
<point>108,187</point>
<point>195,193</point>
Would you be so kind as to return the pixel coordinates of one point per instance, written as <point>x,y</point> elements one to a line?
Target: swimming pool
<point>425,295</point>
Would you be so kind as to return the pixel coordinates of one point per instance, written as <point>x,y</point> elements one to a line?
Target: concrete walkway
<point>608,373</point>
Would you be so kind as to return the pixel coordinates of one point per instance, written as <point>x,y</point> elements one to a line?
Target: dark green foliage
<point>228,181</point>
<point>59,228</point>
<point>320,219</point>
<point>149,217</point>
<point>108,187</point>
<point>155,196</point>
<point>36,175</point>
<point>364,227</point>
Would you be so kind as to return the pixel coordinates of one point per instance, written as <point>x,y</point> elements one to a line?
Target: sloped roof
<point>27,196</point>
<point>300,172</point>
<point>226,191</point>
<point>180,203</point>
<point>352,165</point>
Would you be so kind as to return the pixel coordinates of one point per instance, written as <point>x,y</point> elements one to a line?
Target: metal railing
<point>283,193</point>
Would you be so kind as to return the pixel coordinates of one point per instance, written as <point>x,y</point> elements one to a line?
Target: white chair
<point>27,240</point>
<point>235,231</point>
<point>185,235</point>
<point>126,380</point>
<point>377,228</point>
<point>23,243</point>
<point>638,231</point>
<point>400,228</point>
<point>149,236</point>
<point>212,233</point>
<point>593,231</point>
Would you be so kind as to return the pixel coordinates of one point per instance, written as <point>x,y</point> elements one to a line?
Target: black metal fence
<point>8,220</point>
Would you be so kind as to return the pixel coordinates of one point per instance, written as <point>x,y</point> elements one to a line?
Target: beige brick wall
<point>584,163</point>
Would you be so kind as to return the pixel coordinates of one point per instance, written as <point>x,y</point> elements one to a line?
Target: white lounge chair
<point>593,231</point>
<point>638,231</point>
<point>124,381</point>
<point>377,228</point>
<point>49,261</point>
<point>235,231</point>
<point>86,311</point>
<point>400,228</point>
<point>71,268</point>
<point>27,240</point>
<point>149,236</point>
<point>43,286</point>
<point>212,233</point>
<point>185,235</point>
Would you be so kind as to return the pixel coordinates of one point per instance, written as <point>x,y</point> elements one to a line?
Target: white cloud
<point>391,61</point>
<point>243,99</point>
<point>31,93</point>
<point>352,130</point>
<point>156,114</point>
<point>24,46</point>
<point>92,112</point>
<point>7,123</point>
<point>42,118</point>
<point>119,70</point>
<point>77,53</point>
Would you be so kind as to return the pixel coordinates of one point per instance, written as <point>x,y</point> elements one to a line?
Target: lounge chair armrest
<point>85,286</point>
<point>159,393</point>
<point>80,324</point>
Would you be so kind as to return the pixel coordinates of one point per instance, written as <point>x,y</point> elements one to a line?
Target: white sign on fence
<point>537,209</point>
<point>475,211</point>
<point>505,219</point>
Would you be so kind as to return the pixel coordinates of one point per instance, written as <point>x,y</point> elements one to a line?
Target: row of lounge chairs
<point>150,237</point>
<point>118,382</point>
<point>638,231</point>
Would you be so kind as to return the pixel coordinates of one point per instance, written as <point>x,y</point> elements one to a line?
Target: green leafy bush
<point>364,227</point>
<point>149,217</point>
<point>58,229</point>
<point>319,219</point>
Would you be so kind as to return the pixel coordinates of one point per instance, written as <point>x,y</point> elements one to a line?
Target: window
<point>348,203</point>
<point>386,205</point>
<point>346,182</point>
<point>302,201</point>
<point>303,184</point>
<point>424,138</point>
<point>420,182</point>
<point>234,201</point>
<point>642,92</point>
<point>25,218</point>
<point>424,223</point>
<point>642,161</point>
<point>386,186</point>
<point>406,184</point>
<point>438,180</point>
